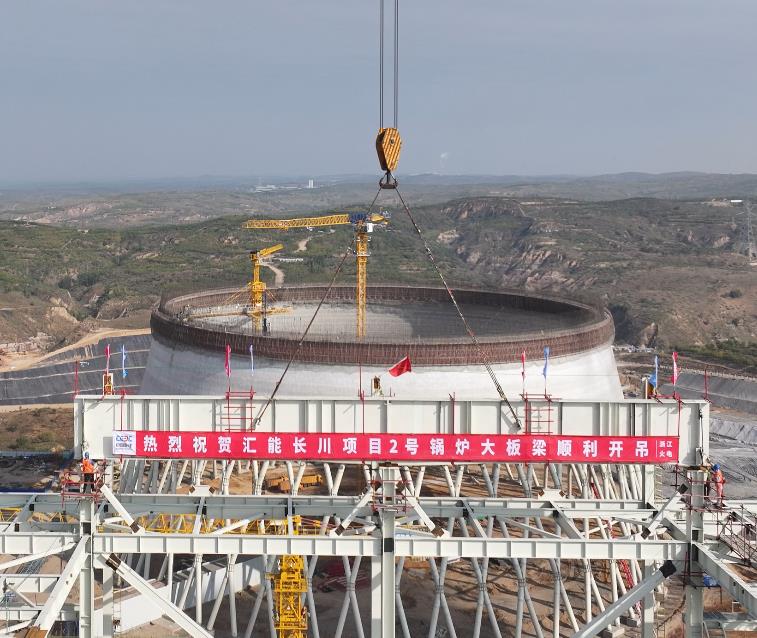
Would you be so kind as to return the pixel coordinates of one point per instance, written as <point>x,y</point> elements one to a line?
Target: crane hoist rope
<point>388,147</point>
<point>388,140</point>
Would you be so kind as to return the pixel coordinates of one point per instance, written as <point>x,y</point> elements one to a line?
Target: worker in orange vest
<point>717,477</point>
<point>88,472</point>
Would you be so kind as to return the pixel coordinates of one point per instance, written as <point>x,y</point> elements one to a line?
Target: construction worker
<point>716,476</point>
<point>88,473</point>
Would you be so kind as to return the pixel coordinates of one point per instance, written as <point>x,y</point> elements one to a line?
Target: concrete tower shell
<point>187,355</point>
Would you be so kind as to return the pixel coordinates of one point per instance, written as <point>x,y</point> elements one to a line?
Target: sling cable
<point>388,147</point>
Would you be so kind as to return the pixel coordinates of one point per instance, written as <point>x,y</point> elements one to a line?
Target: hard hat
<point>716,467</point>
<point>86,455</point>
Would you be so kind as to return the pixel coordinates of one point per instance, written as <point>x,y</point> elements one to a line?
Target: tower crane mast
<point>257,287</point>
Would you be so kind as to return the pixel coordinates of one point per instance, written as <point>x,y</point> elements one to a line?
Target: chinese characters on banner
<point>472,448</point>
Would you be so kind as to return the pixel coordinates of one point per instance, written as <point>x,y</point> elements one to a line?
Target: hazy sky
<point>105,89</point>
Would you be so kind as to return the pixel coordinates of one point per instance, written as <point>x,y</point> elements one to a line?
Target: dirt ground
<point>41,429</point>
<point>13,361</point>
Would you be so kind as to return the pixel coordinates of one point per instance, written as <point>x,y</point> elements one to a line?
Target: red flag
<point>523,365</point>
<point>675,368</point>
<point>227,363</point>
<point>107,359</point>
<point>401,367</point>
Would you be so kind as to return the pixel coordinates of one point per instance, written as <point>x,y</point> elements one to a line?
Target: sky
<point>148,89</point>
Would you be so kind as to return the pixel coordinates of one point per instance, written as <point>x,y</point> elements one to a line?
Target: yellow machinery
<point>388,146</point>
<point>258,307</point>
<point>363,224</point>
<point>289,587</point>
<point>289,583</point>
<point>257,287</point>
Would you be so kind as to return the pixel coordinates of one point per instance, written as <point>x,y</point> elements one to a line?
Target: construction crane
<point>257,287</point>
<point>363,225</point>
<point>289,585</point>
<point>255,290</point>
<point>259,309</point>
<point>388,140</point>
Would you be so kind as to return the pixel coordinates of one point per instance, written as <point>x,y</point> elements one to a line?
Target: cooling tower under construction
<point>191,333</point>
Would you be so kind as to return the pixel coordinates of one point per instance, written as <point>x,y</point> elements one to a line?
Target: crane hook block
<point>388,146</point>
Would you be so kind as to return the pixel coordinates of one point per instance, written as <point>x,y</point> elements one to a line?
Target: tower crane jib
<point>363,225</point>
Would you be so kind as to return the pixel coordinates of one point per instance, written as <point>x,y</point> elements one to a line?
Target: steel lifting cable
<point>256,420</point>
<point>396,61</point>
<point>481,352</point>
<point>302,339</point>
<point>381,64</point>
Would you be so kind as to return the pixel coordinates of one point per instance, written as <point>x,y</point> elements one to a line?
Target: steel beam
<point>634,595</point>
<point>28,558</point>
<point>738,588</point>
<point>39,544</point>
<point>252,507</point>
<point>726,624</point>
<point>111,498</point>
<point>565,549</point>
<point>60,592</point>
<point>144,588</point>
<point>97,416</point>
<point>32,583</point>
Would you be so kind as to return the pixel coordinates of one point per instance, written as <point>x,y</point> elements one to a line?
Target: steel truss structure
<point>550,524</point>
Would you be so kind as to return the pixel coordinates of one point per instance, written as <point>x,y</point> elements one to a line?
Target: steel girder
<point>252,507</point>
<point>738,587</point>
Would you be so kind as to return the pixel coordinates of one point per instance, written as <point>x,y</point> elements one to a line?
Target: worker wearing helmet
<point>718,479</point>
<point>88,473</point>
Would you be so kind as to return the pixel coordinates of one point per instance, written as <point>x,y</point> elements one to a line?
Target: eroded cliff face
<point>667,276</point>
<point>679,266</point>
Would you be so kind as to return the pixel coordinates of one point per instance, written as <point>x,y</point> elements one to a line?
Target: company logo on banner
<point>124,443</point>
<point>402,447</point>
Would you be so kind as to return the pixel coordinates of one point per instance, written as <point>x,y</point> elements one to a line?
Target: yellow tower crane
<point>363,224</point>
<point>289,586</point>
<point>257,287</point>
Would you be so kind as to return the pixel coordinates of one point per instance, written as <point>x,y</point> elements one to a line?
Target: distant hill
<point>191,200</point>
<point>672,271</point>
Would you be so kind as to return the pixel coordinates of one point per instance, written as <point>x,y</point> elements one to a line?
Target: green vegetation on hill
<point>670,271</point>
<point>728,351</point>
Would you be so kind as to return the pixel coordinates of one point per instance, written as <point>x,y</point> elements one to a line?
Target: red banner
<point>472,448</point>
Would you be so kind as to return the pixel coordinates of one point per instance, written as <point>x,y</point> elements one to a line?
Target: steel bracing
<point>593,543</point>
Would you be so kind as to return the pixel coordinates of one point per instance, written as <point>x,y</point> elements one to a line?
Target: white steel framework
<point>558,523</point>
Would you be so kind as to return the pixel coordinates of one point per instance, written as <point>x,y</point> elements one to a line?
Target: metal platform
<point>555,522</point>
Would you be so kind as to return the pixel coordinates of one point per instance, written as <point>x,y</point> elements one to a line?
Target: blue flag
<point>124,371</point>
<point>546,361</point>
<point>653,377</point>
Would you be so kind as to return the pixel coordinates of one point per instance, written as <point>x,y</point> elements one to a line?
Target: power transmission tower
<point>750,252</point>
<point>749,237</point>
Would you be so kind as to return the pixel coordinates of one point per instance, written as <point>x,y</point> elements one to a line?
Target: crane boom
<point>264,252</point>
<point>336,219</point>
